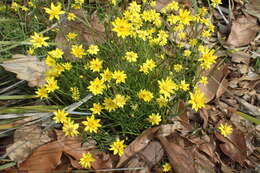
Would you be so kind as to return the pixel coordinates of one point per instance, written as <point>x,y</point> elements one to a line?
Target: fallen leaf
<point>216,75</point>
<point>180,159</point>
<point>205,116</point>
<point>234,145</point>
<point>240,57</point>
<point>28,68</point>
<point>137,145</point>
<point>24,144</point>
<point>243,31</point>
<point>222,88</point>
<point>249,107</point>
<point>253,8</point>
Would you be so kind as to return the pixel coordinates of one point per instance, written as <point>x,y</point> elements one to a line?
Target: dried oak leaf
<point>243,31</point>
<point>24,144</point>
<point>234,145</point>
<point>28,68</point>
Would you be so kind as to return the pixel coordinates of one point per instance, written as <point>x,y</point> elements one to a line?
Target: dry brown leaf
<point>249,107</point>
<point>179,158</point>
<point>137,145</point>
<point>253,8</point>
<point>24,144</point>
<point>205,116</point>
<point>234,145</point>
<point>216,75</point>
<point>240,57</point>
<point>243,31</point>
<point>28,68</point>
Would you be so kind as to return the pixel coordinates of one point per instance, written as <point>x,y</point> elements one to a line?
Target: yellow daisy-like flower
<point>86,160</point>
<point>96,86</point>
<point>42,93</point>
<point>75,93</point>
<point>121,27</point>
<point>71,35</point>
<point>71,16</point>
<point>149,65</point>
<point>51,62</point>
<point>120,100</point>
<point>60,116</point>
<point>78,51</point>
<point>96,108</point>
<point>207,58</point>
<point>162,101</point>
<point>95,65</point>
<point>225,129</point>
<point>38,40</point>
<point>57,53</point>
<point>92,124</point>
<point>30,51</point>
<point>70,128</point>
<point>184,86</point>
<point>109,104</point>
<point>106,75</point>
<point>185,17</point>
<point>197,99</point>
<point>118,147</point>
<point>215,3</point>
<point>203,80</point>
<point>54,11</point>
<point>187,53</point>
<point>131,56</point>
<point>93,49</point>
<point>167,86</point>
<point>51,84</point>
<point>167,167</point>
<point>145,95</point>
<point>154,119</point>
<point>119,76</point>
<point>67,66</point>
<point>177,67</point>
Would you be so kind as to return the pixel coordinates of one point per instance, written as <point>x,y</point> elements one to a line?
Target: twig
<point>225,19</point>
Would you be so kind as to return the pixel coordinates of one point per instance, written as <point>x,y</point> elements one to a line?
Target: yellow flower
<point>106,75</point>
<point>38,40</point>
<point>96,108</point>
<point>173,6</point>
<point>154,119</point>
<point>24,8</point>
<point>162,101</point>
<point>95,65</point>
<point>109,104</point>
<point>207,58</point>
<point>173,19</point>
<point>86,160</point>
<point>121,27</point>
<point>193,42</point>
<point>225,129</point>
<point>185,17</point>
<point>78,51</point>
<point>215,3</point>
<point>197,99</point>
<point>93,49</point>
<point>177,67</point>
<point>60,116</point>
<point>67,66</point>
<point>51,85</point>
<point>91,124</point>
<point>71,35</point>
<point>167,87</point>
<point>131,56</point>
<point>146,95</point>
<point>57,53</point>
<point>118,147</point>
<point>119,76</point>
<point>148,66</point>
<point>166,167</point>
<point>184,86</point>
<point>75,93</point>
<point>42,93</point>
<point>204,80</point>
<point>206,34</point>
<point>70,128</point>
<point>187,53</point>
<point>15,6</point>
<point>30,51</point>
<point>96,86</point>
<point>54,11</point>
<point>113,2</point>
<point>71,16</point>
<point>120,100</point>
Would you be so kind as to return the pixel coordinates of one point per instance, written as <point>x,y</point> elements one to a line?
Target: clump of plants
<point>151,61</point>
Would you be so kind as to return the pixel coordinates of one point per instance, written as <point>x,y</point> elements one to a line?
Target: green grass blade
<point>249,118</point>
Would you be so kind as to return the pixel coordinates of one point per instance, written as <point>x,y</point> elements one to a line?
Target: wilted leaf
<point>243,31</point>
<point>24,144</point>
<point>137,145</point>
<point>28,68</point>
<point>216,75</point>
<point>234,145</point>
<point>249,107</point>
<point>180,159</point>
<point>240,57</point>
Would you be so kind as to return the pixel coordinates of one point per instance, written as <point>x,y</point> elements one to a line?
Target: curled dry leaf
<point>216,75</point>
<point>24,144</point>
<point>137,145</point>
<point>243,31</point>
<point>28,68</point>
<point>234,145</point>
